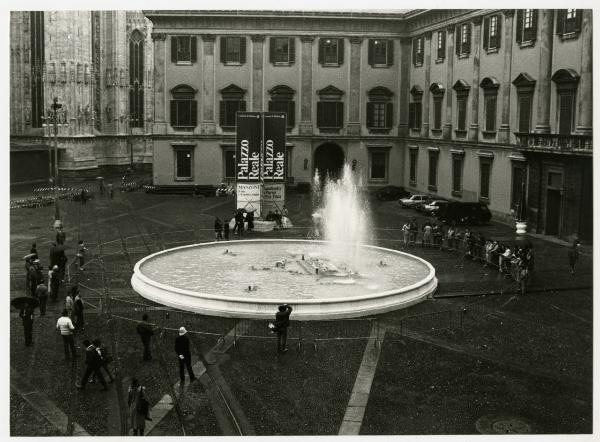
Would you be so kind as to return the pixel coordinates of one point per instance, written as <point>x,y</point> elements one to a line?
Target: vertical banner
<point>247,146</point>
<point>274,147</point>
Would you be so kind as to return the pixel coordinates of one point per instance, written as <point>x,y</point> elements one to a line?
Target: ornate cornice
<point>477,20</point>
<point>307,38</point>
<point>257,38</point>
<point>208,37</point>
<point>509,12</point>
<point>356,39</point>
<point>158,36</point>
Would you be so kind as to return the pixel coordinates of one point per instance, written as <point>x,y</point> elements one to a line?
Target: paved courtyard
<point>476,358</point>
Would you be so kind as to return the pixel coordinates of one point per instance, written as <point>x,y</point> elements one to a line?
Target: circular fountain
<point>340,277</point>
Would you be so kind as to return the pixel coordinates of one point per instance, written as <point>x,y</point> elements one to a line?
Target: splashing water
<point>343,216</point>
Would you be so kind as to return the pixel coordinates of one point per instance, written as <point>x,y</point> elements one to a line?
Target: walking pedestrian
<point>66,328</point>
<point>218,229</point>
<point>69,304</point>
<point>26,315</point>
<point>182,348</point>
<point>92,365</point>
<point>406,233</point>
<point>33,278</point>
<point>145,331</point>
<point>78,311</point>
<point>109,187</point>
<point>61,236</point>
<point>574,255</point>
<point>41,293</point>
<point>105,359</point>
<point>226,230</point>
<point>33,251</point>
<point>239,223</point>
<point>138,407</point>
<point>54,283</point>
<point>282,322</point>
<point>81,249</point>
<point>426,234</point>
<point>250,220</point>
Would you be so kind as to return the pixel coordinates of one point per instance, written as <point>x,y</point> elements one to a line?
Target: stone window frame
<point>230,94</point>
<point>136,78</point>
<point>441,46</point>
<point>464,36</point>
<point>180,94</point>
<point>177,41</point>
<point>415,108</point>
<point>379,149</point>
<point>486,158</point>
<point>568,27</point>
<point>525,86</point>
<point>526,27</point>
<point>418,51</point>
<point>284,94</point>
<point>492,43</point>
<point>432,173</point>
<point>327,97</point>
<point>437,95</point>
<point>225,54</point>
<point>291,52</point>
<point>179,148</point>
<point>490,86</point>
<point>461,89</point>
<point>566,82</point>
<point>389,52</point>
<point>457,154</point>
<point>413,153</point>
<point>380,96</point>
<point>323,42</point>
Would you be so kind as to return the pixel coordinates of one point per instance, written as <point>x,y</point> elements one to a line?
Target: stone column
<point>447,128</point>
<point>476,42</point>
<point>585,99</point>
<point>306,124</point>
<point>545,71</point>
<point>427,66</point>
<point>405,53</point>
<point>354,103</point>
<point>160,124</point>
<point>207,101</point>
<point>257,72</point>
<point>504,130</point>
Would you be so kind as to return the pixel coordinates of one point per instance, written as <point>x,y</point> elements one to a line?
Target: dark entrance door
<point>553,203</point>
<point>329,160</point>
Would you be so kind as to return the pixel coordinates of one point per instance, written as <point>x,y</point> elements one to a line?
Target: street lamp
<point>55,107</point>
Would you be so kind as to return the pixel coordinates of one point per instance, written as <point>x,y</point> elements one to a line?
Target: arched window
<point>183,107</point>
<point>136,79</point>
<point>282,100</point>
<point>380,110</point>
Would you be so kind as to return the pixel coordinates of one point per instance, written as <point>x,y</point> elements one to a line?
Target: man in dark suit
<point>26,315</point>
<point>182,348</point>
<point>145,331</point>
<point>93,362</point>
<point>282,322</point>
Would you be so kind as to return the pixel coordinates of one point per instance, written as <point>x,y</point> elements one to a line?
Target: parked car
<point>464,213</point>
<point>390,193</point>
<point>432,207</point>
<point>413,200</point>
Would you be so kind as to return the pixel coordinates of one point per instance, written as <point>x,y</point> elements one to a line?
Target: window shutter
<point>534,21</point>
<point>222,110</point>
<point>321,50</point>
<point>193,49</point>
<point>223,50</point>
<point>389,115</point>
<point>565,113</point>
<point>370,56</point>
<point>339,114</point>
<point>457,34</point>
<point>194,113</point>
<point>414,51</point>
<point>271,106</point>
<point>291,116</point>
<point>340,51</point>
<point>519,26</point>
<point>272,49</point>
<point>173,49</point>
<point>390,52</point>
<point>578,18</point>
<point>320,112</point>
<point>411,115</point>
<point>173,113</point>
<point>498,32</point>
<point>418,115</point>
<point>242,107</point>
<point>242,50</point>
<point>422,53</point>
<point>468,43</point>
<point>490,115</point>
<point>486,33</point>
<point>560,21</point>
<point>524,113</point>
<point>370,107</point>
<point>441,53</point>
<point>292,49</point>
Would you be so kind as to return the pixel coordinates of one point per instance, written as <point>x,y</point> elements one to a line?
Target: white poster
<point>273,197</point>
<point>248,197</point>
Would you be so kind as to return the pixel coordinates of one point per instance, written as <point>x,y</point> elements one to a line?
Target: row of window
<point>566,82</point>
<point>330,107</point>
<point>282,51</point>
<point>568,22</point>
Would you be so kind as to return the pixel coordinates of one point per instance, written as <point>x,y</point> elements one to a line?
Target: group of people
<point>516,261</point>
<point>243,219</point>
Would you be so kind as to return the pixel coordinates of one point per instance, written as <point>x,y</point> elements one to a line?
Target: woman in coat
<point>138,407</point>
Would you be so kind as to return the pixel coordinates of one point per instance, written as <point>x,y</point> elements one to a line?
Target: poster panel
<point>274,146</point>
<point>247,146</point>
<point>248,197</point>
<point>273,198</point>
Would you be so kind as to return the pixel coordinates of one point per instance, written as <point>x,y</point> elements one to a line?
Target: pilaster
<point>545,71</point>
<point>405,52</point>
<point>160,124</point>
<point>476,42</point>
<point>208,125</point>
<point>504,130</point>
<point>354,95</point>
<point>447,128</point>
<point>427,66</point>
<point>306,124</point>
<point>258,43</point>
<point>585,92</point>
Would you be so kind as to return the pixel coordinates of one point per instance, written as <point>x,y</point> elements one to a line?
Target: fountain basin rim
<point>137,273</point>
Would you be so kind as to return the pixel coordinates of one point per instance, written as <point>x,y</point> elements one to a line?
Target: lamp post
<point>55,107</point>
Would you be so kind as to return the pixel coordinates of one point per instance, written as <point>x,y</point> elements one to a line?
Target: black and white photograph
<point>300,219</point>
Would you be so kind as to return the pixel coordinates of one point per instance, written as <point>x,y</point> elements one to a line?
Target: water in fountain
<point>344,217</point>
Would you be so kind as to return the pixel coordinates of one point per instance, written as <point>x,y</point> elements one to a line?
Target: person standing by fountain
<point>239,223</point>
<point>182,348</point>
<point>282,322</point>
<point>145,331</point>
<point>218,229</point>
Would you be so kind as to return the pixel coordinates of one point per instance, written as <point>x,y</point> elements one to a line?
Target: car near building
<point>413,200</point>
<point>432,207</point>
<point>465,213</point>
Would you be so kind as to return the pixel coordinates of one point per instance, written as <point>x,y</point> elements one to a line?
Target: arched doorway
<point>329,160</point>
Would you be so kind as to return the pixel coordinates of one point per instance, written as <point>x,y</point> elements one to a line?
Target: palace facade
<point>470,105</point>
